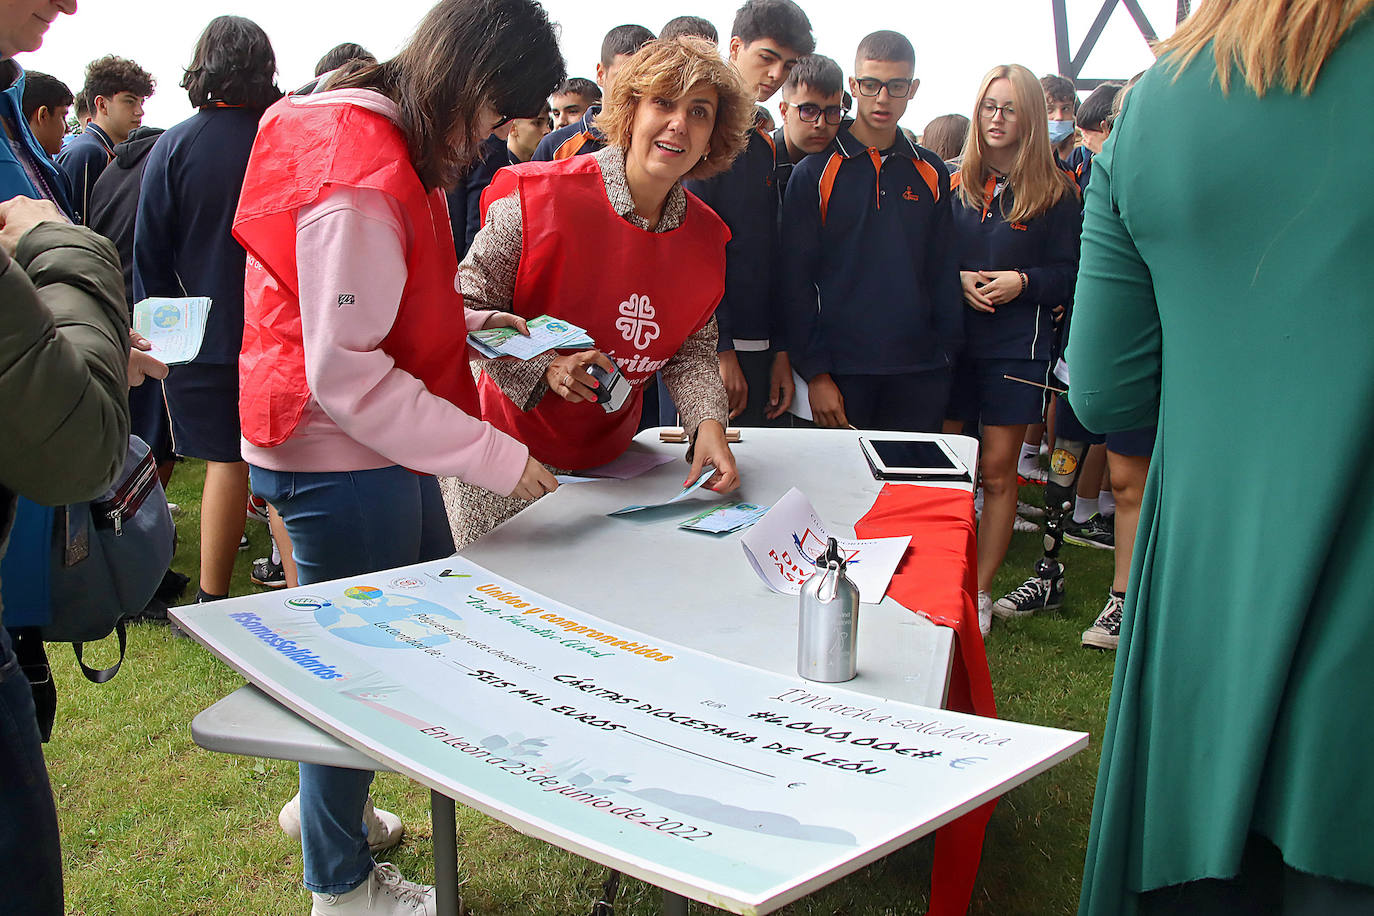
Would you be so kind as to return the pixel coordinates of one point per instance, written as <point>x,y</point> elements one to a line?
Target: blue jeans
<point>348,523</point>
<point>29,848</point>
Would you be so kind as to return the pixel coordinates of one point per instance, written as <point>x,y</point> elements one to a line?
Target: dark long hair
<point>464,53</point>
<point>233,64</point>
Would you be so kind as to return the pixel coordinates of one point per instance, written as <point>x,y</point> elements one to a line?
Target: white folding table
<point>693,589</point>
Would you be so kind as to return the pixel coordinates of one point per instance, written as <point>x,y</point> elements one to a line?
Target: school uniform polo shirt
<point>576,139</point>
<point>869,279</point>
<point>82,161</point>
<point>464,212</point>
<point>744,197</point>
<point>1045,249</point>
<point>782,170</point>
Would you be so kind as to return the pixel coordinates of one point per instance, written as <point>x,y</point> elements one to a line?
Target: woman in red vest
<point>612,242</point>
<point>352,372</point>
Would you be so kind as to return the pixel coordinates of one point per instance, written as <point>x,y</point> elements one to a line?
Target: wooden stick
<point>1012,378</point>
<point>676,434</point>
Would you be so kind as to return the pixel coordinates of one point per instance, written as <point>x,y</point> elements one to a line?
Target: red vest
<point>299,153</point>
<point>639,294</point>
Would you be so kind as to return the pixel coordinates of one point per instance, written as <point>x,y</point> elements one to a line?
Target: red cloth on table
<point>938,578</point>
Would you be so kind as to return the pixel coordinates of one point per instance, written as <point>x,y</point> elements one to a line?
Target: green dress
<point>1227,288</point>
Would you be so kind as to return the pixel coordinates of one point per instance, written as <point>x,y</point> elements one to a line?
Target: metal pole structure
<point>1061,38</point>
<point>1090,40</point>
<point>445,824</point>
<point>1071,64</point>
<point>674,904</point>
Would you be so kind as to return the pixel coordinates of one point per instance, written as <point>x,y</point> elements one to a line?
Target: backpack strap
<point>101,675</point>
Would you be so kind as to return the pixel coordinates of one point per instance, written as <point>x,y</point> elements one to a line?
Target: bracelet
<point>1024,281</point>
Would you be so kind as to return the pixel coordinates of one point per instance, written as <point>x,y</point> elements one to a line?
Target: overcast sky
<point>956,42</point>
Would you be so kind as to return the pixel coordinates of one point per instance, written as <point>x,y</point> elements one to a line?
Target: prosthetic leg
<point>1045,589</point>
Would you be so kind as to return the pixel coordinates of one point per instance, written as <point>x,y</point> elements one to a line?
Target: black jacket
<point>114,199</point>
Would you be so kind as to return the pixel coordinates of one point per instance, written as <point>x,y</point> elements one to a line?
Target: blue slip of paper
<point>688,490</point>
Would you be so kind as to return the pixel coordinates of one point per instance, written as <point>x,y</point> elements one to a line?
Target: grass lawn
<point>153,824</point>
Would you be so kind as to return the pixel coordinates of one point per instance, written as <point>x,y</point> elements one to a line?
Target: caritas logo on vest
<point>636,324</point>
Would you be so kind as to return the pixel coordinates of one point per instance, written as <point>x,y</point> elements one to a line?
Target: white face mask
<point>1059,130</point>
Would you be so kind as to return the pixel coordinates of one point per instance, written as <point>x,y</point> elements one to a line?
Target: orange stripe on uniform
<point>1073,180</point>
<point>832,169</point>
<point>771,145</point>
<point>932,179</point>
<point>571,145</point>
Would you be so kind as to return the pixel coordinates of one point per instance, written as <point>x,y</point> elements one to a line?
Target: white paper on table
<point>706,473</point>
<point>784,544</point>
<point>631,463</point>
<point>801,398</point>
<point>175,327</point>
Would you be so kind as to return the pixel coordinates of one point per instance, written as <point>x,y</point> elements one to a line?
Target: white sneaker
<point>1024,524</point>
<point>384,829</point>
<point>384,893</point>
<point>1028,510</point>
<point>984,613</point>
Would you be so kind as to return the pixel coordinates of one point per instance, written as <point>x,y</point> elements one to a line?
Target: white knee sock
<point>1106,503</point>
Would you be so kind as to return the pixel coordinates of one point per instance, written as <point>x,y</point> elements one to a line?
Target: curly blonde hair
<point>670,69</point>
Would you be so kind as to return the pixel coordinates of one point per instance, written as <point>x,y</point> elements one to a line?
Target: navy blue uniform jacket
<point>1044,248</point>
<point>114,199</point>
<point>182,241</point>
<point>581,135</point>
<point>869,279</point>
<point>746,199</point>
<point>82,161</point>
<point>464,212</point>
<point>782,169</point>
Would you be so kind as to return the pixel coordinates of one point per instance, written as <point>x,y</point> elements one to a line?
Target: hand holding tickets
<point>174,327</point>
<point>545,334</point>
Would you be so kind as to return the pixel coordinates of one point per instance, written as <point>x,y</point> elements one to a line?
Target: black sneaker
<point>267,574</point>
<point>1095,532</point>
<point>1105,632</point>
<point>1035,594</point>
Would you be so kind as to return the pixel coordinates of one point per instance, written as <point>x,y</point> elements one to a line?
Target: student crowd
<point>834,271</point>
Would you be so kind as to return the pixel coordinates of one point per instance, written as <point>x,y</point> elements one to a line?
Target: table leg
<point>674,904</point>
<point>444,820</point>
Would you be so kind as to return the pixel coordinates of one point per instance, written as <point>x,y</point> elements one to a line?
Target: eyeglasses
<point>505,119</point>
<point>897,89</point>
<point>809,113</point>
<point>990,108</point>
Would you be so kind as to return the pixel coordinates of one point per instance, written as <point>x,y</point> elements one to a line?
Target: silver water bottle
<point>828,624</point>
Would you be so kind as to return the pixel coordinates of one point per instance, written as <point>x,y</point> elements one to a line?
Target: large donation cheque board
<point>734,786</point>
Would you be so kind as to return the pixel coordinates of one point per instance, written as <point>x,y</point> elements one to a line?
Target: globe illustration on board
<point>166,316</point>
<point>357,615</point>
